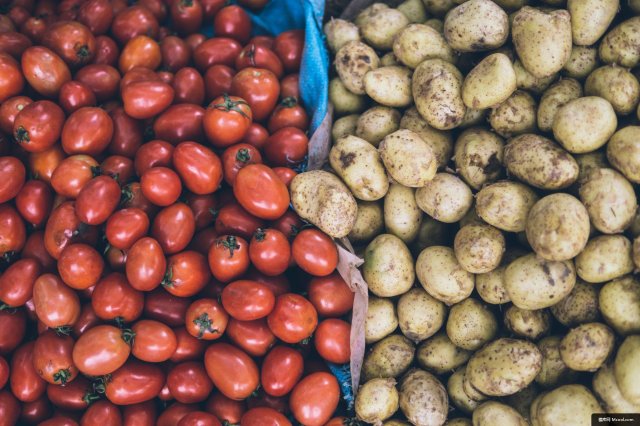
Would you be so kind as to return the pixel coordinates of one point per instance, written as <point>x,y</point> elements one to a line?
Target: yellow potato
<point>582,62</point>
<point>506,205</point>
<point>586,347</point>
<point>417,43</point>
<point>476,25</point>
<point>402,216</point>
<point>626,368</point>
<point>554,98</point>
<point>389,86</point>
<point>340,32</point>
<point>578,307</point>
<point>615,84</point>
<point>388,266</point>
<point>442,276</point>
<point>590,19</point>
<point>584,124</point>
<point>439,355</point>
<point>369,222</point>
<point>420,316</point>
<point>353,61</point>
<point>445,198</point>
<point>490,83</point>
<point>440,141</point>
<point>376,123</point>
<point>554,371</point>
<point>605,258</point>
<point>423,399</point>
<point>478,156</point>
<point>515,116</point>
<point>471,325</point>
<point>623,152</point>
<point>569,405</point>
<point>479,248</point>
<point>619,302</point>
<point>409,160</point>
<point>619,46</point>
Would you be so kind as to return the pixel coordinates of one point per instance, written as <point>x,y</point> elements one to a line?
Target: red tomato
<point>186,16</point>
<point>73,41</point>
<point>228,257</point>
<point>87,131</point>
<point>262,399</point>
<point>188,382</point>
<point>173,227</point>
<point>4,372</point>
<point>165,307</point>
<point>114,299</point>
<point>52,358</point>
<point>101,350</point>
<point>125,227</point>
<point>16,283</point>
<point>145,265</point>
<point>75,95</point>
<point>279,285</point>
<point>179,123</point>
<point>285,174</point>
<point>127,134</point>
<point>13,324</point>
<point>175,53</point>
<point>259,57</point>
<point>37,411</point>
<point>72,175</point>
<point>332,340</point>
<point>118,167</point>
<point>253,337</point>
<point>140,51</point>
<point>9,408</point>
<point>288,46</point>
<point>38,126</point>
<point>217,81</point>
<point>260,88</point>
<point>156,153</point>
<point>154,341</point>
<point>315,252</point>
<point>161,186</point>
<point>189,348</point>
<point>315,399</point>
<point>199,418</point>
<point>247,300</point>
<point>10,108</point>
<point>225,409</point>
<point>45,71</point>
<point>102,79</point>
<point>12,80</point>
<point>231,370</point>
<point>290,87</point>
<point>134,382</point>
<point>288,146</point>
<point>236,157</point>
<point>330,295</point>
<point>141,414</point>
<point>174,413</point>
<point>102,413</point>
<point>42,164</point>
<point>14,43</point>
<point>293,318</point>
<point>73,396</point>
<point>195,40</point>
<point>80,266</point>
<point>259,190</point>
<point>56,304</point>
<point>282,369</point>
<point>86,320</point>
<point>256,136</point>
<point>226,120</point>
<point>233,219</point>
<point>288,114</point>
<point>204,209</point>
<point>199,167</point>
<point>216,51</point>
<point>107,51</point>
<point>187,274</point>
<point>157,7</point>
<point>34,248</point>
<point>25,382</point>
<point>189,86</point>
<point>12,178</point>
<point>12,231</point>
<point>96,14</point>
<point>133,21</point>
<point>97,200</point>
<point>269,251</point>
<point>232,21</point>
<point>205,319</point>
<point>264,416</point>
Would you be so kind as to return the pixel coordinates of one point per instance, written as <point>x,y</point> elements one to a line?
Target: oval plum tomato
<point>189,86</point>
<point>13,323</point>
<point>186,16</point>
<point>210,9</point>
<point>128,134</point>
<point>199,167</point>
<point>161,186</point>
<point>173,227</point>
<point>102,413</point>
<point>182,122</point>
<point>125,227</point>
<point>175,53</point>
<point>290,87</point>
<point>74,395</point>
<point>72,174</point>
<point>205,319</point>
<point>134,382</point>
<point>72,41</point>
<point>12,80</point>
<point>174,413</point>
<point>224,408</point>
<point>282,369</point>
<point>187,274</point>
<point>332,340</point>
<point>259,57</point>
<point>56,304</point>
<point>228,257</point>
<point>156,153</point>
<point>188,382</point>
<point>38,126</point>
<point>118,167</point>
<point>165,307</point>
<point>141,414</point>
<point>269,251</point>
<point>262,40</point>
<point>87,131</point>
<point>189,348</point>
<point>236,157</point>
<point>86,320</point>
<point>231,370</point>
<point>259,190</point>
<point>293,318</point>
<point>288,46</point>
<point>114,299</point>
<point>16,283</point>
<point>288,114</point>
<point>262,399</point>
<point>133,21</point>
<point>145,99</point>
<point>12,177</point>
<point>285,174</point>
<point>45,71</point>
<point>14,44</point>
<point>233,219</point>
<point>10,108</point>
<point>264,416</point>
<point>330,295</point>
<point>75,95</point>
<point>102,79</point>
<point>107,51</point>
<point>101,350</point>
<point>13,233</point>
<point>279,285</point>
<point>146,265</point>
<point>97,15</point>
<point>80,266</point>
<point>234,22</point>
<point>259,88</point>
<point>158,8</point>
<point>64,228</point>
<point>315,399</point>
<point>217,81</point>
<point>315,252</point>
<point>37,411</point>
<point>199,418</point>
<point>24,380</point>
<point>204,211</point>
<point>116,259</point>
<point>216,51</point>
<point>97,200</point>
<point>253,337</point>
<point>226,120</point>
<point>42,164</point>
<point>247,300</point>
<point>288,146</point>
<point>52,358</point>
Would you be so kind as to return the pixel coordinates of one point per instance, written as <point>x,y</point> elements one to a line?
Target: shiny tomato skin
<point>182,122</point>
<point>264,416</point>
<point>26,384</point>
<point>64,228</point>
<point>256,136</point>
<point>140,51</point>
<point>269,251</point>
<point>315,252</point>
<point>288,114</point>
<point>224,408</point>
<point>87,131</point>
<point>13,324</point>
<point>260,88</point>
<point>189,383</point>
<point>282,369</point>
<point>107,51</point>
<point>236,157</point>
<point>330,295</point>
<point>141,414</point>
<point>315,399</point>
<point>56,304</point>
<point>154,341</point>
<point>293,318</point>
<point>217,81</point>
<point>16,283</point>
<point>332,340</point>
<point>113,297</point>
<point>279,285</point>
<point>72,41</point>
<point>103,188</point>
<point>155,153</point>
<point>231,370</point>
<point>14,44</point>
<point>199,168</point>
<point>290,87</point>
<point>12,80</point>
<point>228,257</point>
<point>199,418</point>
<point>86,320</point>
<point>125,227</point>
<point>9,408</point>
<point>165,307</point>
<point>72,174</point>
<point>42,164</point>
<point>186,16</point>
<point>45,71</point>
<point>102,413</point>
<point>174,413</point>
<point>145,99</point>
<point>52,358</point>
<point>37,411</point>
<point>204,209</point>
<point>118,167</point>
<point>189,348</point>
<point>194,40</point>
<point>12,230</point>
<point>134,382</point>
<point>234,22</point>
<point>80,266</point>
<point>145,265</point>
<point>288,146</point>
<point>233,219</point>
<point>176,53</point>
<point>253,337</point>
<point>226,120</point>
<point>75,95</point>
<point>12,177</point>
<point>247,300</point>
<point>4,372</point>
<point>173,227</point>
<point>34,248</point>
<point>38,126</point>
<point>70,396</point>
<point>97,15</point>
<point>133,21</point>
<point>187,274</point>
<point>189,86</point>
<point>102,79</point>
<point>9,109</point>
<point>257,56</point>
<point>127,134</point>
<point>161,186</point>
<point>285,174</point>
<point>216,51</point>
<point>259,190</point>
<point>100,350</point>
<point>288,46</point>
<point>206,319</point>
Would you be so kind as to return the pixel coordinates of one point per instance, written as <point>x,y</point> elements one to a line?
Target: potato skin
<point>619,302</point>
<point>604,258</point>
<point>420,316</point>
<point>381,319</point>
<point>439,355</point>
<point>417,43</point>
<point>569,405</point>
<point>479,248</point>
<point>388,266</point>
<point>580,306</point>
<point>440,141</point>
<point>380,28</point>
<point>615,84</point>
<point>389,86</point>
<point>623,152</point>
<point>490,83</point>
<point>476,25</point>
<point>605,387</point>
<point>377,400</point>
<point>530,324</point>
<point>353,61</point>
<point>527,81</point>
<point>554,98</point>
<point>423,399</point>
<point>553,371</point>
<point>344,127</point>
<point>457,395</point>
<point>339,32</point>
<point>478,156</point>
<point>388,358</point>
<point>402,216</point>
<point>376,123</point>
<point>470,324</point>
<point>442,276</point>
<point>445,198</point>
<point>493,413</point>
<point>344,101</point>
<point>598,123</point>
<point>369,222</point>
<point>490,286</point>
<point>408,159</point>
<point>506,205</point>
<point>619,46</point>
<point>586,347</point>
<point>582,61</point>
<point>414,10</point>
<point>590,19</point>
<point>626,368</point>
<point>515,116</point>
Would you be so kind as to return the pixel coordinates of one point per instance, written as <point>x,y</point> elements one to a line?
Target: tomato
<point>332,340</point>
<point>315,252</point>
<point>134,382</point>
<point>199,167</point>
<point>253,337</point>
<point>16,283</point>
<point>12,178</point>
<point>87,131</point>
<point>247,300</point>
<point>293,318</point>
<point>175,53</point>
<point>14,44</point>
<point>38,126</point>
<point>133,21</point>
<point>140,51</point>
<point>102,79</point>
<point>288,46</point>
<point>4,372</point>
<point>9,109</point>
<point>260,88</point>
<point>45,71</point>
<point>157,7</point>
<point>189,86</point>
<point>146,265</point>
<point>189,348</point>
<point>101,350</point>
<point>13,324</point>
<point>12,231</point>
<point>205,319</point>
<point>233,219</point>
<point>195,40</point>
<point>173,227</point>
<point>80,266</point>
<point>179,123</point>
<point>330,295</point>
<point>216,51</point>
<point>72,41</point>
<point>174,413</point>
<point>199,418</point>
<point>224,408</point>
<point>153,342</point>
<point>97,200</point>
<point>269,251</point>
<point>102,413</point>
<point>217,81</point>
<point>289,114</point>
<point>161,186</point>
<point>52,358</point>
<point>107,51</point>
<point>259,57</point>
<point>188,382</point>
<point>75,95</point>
<point>264,416</point>
<point>288,146</point>
<point>286,175</point>
<point>96,14</point>
<point>115,299</point>
<point>125,227</point>
<point>72,174</point>
<point>282,368</point>
<point>204,211</point>
<point>25,382</point>
<point>42,164</point>
<point>315,399</point>
<point>56,304</point>
<point>145,99</point>
<point>12,80</point>
<point>259,190</point>
<point>231,370</point>
<point>139,74</point>
<point>165,307</point>
<point>156,153</point>
<point>86,320</point>
<point>234,22</point>
<point>73,396</point>
<point>236,157</point>
<point>141,414</point>
<point>127,134</point>
<point>279,285</point>
<point>228,257</point>
<point>186,16</point>
<point>226,120</point>
<point>37,411</point>
<point>9,408</point>
<point>118,167</point>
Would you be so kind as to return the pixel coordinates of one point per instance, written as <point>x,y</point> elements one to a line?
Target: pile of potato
<point>485,161</point>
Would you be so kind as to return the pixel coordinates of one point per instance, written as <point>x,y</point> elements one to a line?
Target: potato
<point>420,315</point>
<point>478,156</point>
<point>458,421</point>
<point>344,127</point>
<point>440,141</point>
<point>369,222</point>
<point>436,24</point>
<point>512,4</point>
<point>505,205</point>
<point>471,390</point>
<point>589,163</point>
<point>423,399</point>
<point>490,83</point>
<point>580,306</point>
<point>554,98</point>
<point>344,101</point>
<point>610,200</point>
<point>623,152</point>
<point>542,39</point>
<point>514,116</point>
<point>569,405</point>
<point>442,276</point>
<point>377,400</point>
<point>504,367</point>
<point>604,258</point>
<point>376,123</point>
<point>597,120</point>
<point>471,218</point>
<point>445,198</point>
<point>388,266</point>
<point>417,43</point>
<point>321,198</point>
<point>437,92</point>
<point>590,19</point>
<point>535,283</point>
<point>527,81</point>
<point>381,319</point>
<point>493,413</point>
<point>455,389</point>
<point>521,401</point>
<point>357,162</point>
<point>620,305</point>
<point>476,25</point>
<point>586,347</point>
<point>431,233</point>
<point>388,60</point>
<point>530,324</point>
<point>490,286</point>
<point>626,368</point>
<point>474,117</point>
<point>470,324</point>
<point>414,10</point>
<point>389,86</point>
<point>408,159</point>
<point>380,28</point>
<point>553,371</point>
<point>353,61</point>
<point>607,390</point>
<point>438,7</point>
<point>439,355</point>
<point>388,358</point>
<point>479,248</point>
<point>368,12</point>
<point>620,45</point>
<point>402,217</point>
<point>340,32</point>
<point>582,62</point>
<point>615,84</point>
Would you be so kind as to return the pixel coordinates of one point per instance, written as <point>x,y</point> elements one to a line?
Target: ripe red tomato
<point>87,131</point>
<point>118,167</point>
<point>247,300</point>
<point>154,341</point>
<point>259,88</point>
<point>10,108</point>
<point>288,114</point>
<point>107,51</point>
<point>161,186</point>
<point>86,320</point>
<point>75,95</point>
<point>288,46</point>
<point>133,21</point>
<point>285,174</point>
<point>189,383</point>
<point>205,319</point>
<point>228,257</point>
<point>12,81</point>
<point>12,177</point>
<point>42,164</point>
<point>233,219</point>
<point>73,41</point>
<point>199,167</point>
<point>264,416</point>
<point>134,382</point>
<point>187,273</point>
<point>63,228</point>
<point>173,227</point>
<point>234,22</point>
<point>145,99</point>
<point>97,199</point>
<point>38,126</point>
<point>141,414</point>
<point>13,233</point>
<point>189,86</point>
<point>102,79</point>
<point>217,81</point>
<point>13,323</point>
<point>96,14</point>
<point>26,384</point>
<point>52,358</point>
<point>140,51</point>
<point>14,43</point>
<point>236,157</point>
<point>270,252</point>
<point>226,120</point>
<point>125,227</point>
<point>288,146</point>
<point>199,418</point>
<point>259,190</point>
<point>156,153</point>
<point>315,252</point>
<point>34,201</point>
<point>114,299</point>
<point>189,348</point>
<point>175,53</point>
<point>73,396</point>
<point>72,174</point>
<point>256,136</point>
<point>45,71</point>
<point>315,399</point>
<point>330,295</point>
<point>16,283</point>
<point>332,340</point>
<point>56,304</point>
<point>80,266</point>
<point>102,413</point>
<point>231,370</point>
<point>145,265</point>
<point>282,369</point>
<point>293,318</point>
<point>4,372</point>
<point>253,337</point>
<point>101,350</point>
<point>258,56</point>
<point>216,51</point>
<point>224,408</point>
<point>186,16</point>
<point>174,413</point>
<point>179,123</point>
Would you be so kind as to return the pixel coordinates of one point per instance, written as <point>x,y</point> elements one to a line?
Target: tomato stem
<point>204,324</point>
<point>167,280</point>
<point>230,105</point>
<point>259,234</point>
<point>289,102</point>
<point>128,335</point>
<point>186,3</point>
<point>230,243</point>
<point>62,376</point>
<point>126,195</point>
<point>22,135</point>
<point>5,307</point>
<point>90,397</point>
<point>243,155</point>
<point>96,171</point>
<point>252,54</point>
<point>83,52</point>
<point>63,330</point>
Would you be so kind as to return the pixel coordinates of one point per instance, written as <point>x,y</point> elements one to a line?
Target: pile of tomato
<point>152,270</point>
